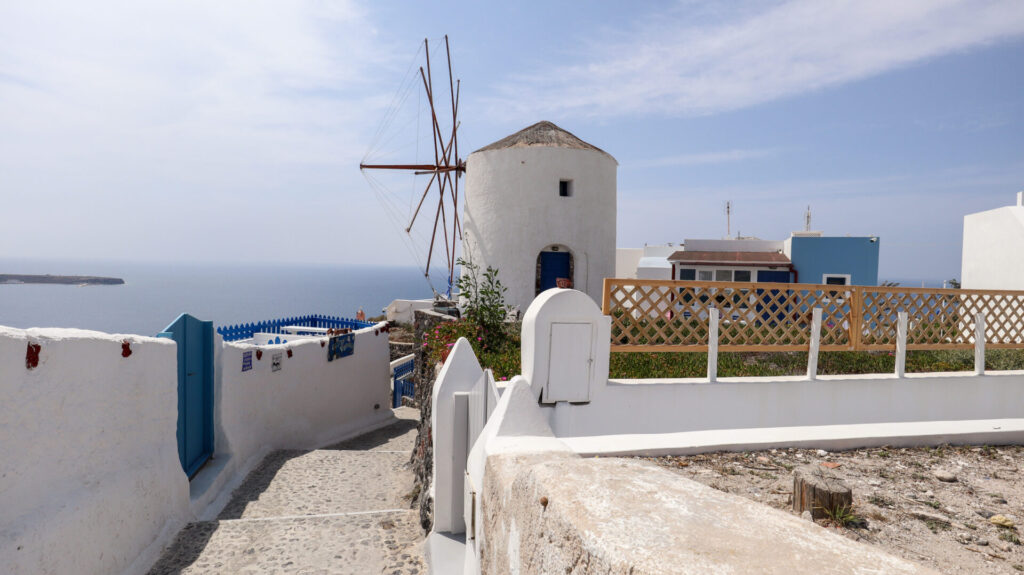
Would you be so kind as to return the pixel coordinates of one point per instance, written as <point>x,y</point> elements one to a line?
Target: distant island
<point>51,279</point>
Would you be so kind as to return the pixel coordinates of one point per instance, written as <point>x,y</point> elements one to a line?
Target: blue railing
<point>246,330</point>
<point>402,382</point>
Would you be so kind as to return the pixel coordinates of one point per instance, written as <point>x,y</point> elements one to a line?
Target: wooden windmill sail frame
<point>446,164</point>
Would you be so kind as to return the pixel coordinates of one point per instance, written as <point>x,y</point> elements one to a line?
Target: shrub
<point>483,300</point>
<point>495,341</point>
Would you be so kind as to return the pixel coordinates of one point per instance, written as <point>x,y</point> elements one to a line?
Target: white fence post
<point>979,344</point>
<point>713,344</point>
<point>460,455</point>
<point>901,343</point>
<point>812,354</point>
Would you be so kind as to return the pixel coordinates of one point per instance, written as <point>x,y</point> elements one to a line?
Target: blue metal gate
<point>195,390</point>
<point>401,381</point>
<point>553,265</point>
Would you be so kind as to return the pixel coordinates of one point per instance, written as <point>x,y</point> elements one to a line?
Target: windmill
<point>444,171</point>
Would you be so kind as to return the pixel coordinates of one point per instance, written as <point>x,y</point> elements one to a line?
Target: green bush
<point>483,300</point>
<point>495,341</point>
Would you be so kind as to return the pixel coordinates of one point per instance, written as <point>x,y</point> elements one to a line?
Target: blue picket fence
<point>246,330</point>
<point>402,382</point>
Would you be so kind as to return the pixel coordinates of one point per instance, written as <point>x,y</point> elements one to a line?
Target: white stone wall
<point>89,469</point>
<point>513,212</point>
<point>675,406</point>
<point>91,481</point>
<point>401,310</point>
<point>307,403</point>
<point>993,243</point>
<point>626,261</point>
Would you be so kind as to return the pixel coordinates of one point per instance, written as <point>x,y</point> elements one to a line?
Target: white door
<point>570,361</point>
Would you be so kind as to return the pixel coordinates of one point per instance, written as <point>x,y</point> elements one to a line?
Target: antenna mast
<point>807,219</point>
<point>728,219</point>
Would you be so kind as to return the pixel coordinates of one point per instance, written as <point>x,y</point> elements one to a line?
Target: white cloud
<point>121,119</point>
<point>693,61</point>
<point>700,159</point>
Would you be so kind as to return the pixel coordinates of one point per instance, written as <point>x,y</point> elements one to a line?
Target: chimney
<point>1020,198</point>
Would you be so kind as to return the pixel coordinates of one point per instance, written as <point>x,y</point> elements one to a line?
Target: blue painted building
<point>835,260</point>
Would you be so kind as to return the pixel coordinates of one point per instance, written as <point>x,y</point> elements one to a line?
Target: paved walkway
<point>343,509</point>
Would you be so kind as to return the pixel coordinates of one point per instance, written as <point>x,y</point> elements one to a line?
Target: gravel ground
<point>936,506</point>
<point>344,509</point>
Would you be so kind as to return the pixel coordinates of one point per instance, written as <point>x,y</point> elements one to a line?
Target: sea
<point>154,294</point>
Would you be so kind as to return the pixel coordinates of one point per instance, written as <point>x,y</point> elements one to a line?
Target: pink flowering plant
<point>484,324</point>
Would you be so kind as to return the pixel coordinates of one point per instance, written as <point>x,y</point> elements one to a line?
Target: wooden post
<point>901,344</point>
<point>979,344</point>
<point>713,344</point>
<point>856,316</point>
<point>812,354</point>
<point>820,491</point>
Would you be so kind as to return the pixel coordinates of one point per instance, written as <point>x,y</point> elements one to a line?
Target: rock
<point>831,464</point>
<point>964,538</point>
<point>985,513</point>
<point>822,453</point>
<point>763,459</point>
<point>982,542</point>
<point>999,501</point>
<point>806,515</point>
<point>1001,520</point>
<point>944,476</point>
<point>926,516</point>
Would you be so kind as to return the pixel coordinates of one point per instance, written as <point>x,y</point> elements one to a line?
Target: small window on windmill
<point>565,188</point>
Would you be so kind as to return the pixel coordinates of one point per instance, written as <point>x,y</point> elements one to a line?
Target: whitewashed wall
<point>513,212</point>
<point>90,480</point>
<point>993,242</point>
<point>626,261</point>
<point>89,471</point>
<point>306,404</point>
<point>401,310</point>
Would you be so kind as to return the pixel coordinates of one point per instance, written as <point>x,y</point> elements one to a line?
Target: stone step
<point>400,436</point>
<point>322,482</point>
<point>375,542</point>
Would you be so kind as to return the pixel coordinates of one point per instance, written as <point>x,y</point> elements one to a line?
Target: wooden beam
<point>428,167</point>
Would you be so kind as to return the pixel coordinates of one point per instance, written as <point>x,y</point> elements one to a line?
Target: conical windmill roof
<point>542,134</point>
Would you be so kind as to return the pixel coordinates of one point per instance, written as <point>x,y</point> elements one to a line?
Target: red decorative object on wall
<point>563,283</point>
<point>126,348</point>
<point>32,355</point>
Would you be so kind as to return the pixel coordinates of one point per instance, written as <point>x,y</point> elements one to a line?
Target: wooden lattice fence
<point>659,315</point>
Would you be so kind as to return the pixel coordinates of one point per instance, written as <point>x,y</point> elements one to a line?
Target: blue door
<point>553,265</point>
<point>195,390</point>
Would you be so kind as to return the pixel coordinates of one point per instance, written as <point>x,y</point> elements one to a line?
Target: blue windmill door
<point>553,265</point>
<point>195,390</point>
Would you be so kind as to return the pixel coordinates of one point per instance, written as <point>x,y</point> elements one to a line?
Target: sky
<point>233,130</point>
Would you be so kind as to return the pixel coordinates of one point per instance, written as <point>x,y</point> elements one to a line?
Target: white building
<point>540,208</point>
<point>993,242</point>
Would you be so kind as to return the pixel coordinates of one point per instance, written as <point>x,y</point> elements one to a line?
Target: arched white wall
<point>513,212</point>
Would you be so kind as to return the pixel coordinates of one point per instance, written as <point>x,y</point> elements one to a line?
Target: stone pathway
<point>343,509</point>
